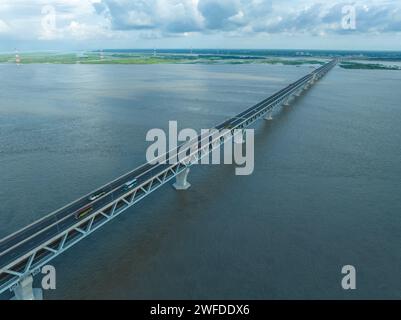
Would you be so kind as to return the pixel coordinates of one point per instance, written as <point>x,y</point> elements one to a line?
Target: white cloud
<point>52,19</point>
<point>82,31</point>
<point>156,19</point>
<point>4,28</point>
<point>181,16</point>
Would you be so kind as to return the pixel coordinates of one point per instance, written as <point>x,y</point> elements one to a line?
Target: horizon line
<point>199,49</point>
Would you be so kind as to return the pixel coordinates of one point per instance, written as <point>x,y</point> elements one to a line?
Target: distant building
<point>17,57</point>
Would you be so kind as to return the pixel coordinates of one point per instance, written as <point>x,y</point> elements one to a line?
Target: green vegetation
<point>367,66</point>
<point>178,58</point>
<point>27,58</point>
<point>137,58</point>
<point>5,58</point>
<point>292,62</point>
<point>128,61</point>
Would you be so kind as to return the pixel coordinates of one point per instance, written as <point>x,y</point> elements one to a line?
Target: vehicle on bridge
<point>130,184</point>
<point>83,212</point>
<point>96,196</point>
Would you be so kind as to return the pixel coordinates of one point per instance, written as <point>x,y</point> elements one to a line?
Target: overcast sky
<point>101,24</point>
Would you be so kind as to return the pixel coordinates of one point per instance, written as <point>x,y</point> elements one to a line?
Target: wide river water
<point>325,192</point>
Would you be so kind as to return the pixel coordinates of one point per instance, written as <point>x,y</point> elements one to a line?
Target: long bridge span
<point>25,252</point>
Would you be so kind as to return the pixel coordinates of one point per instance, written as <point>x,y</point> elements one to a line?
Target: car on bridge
<point>83,212</point>
<point>130,184</point>
<point>96,196</point>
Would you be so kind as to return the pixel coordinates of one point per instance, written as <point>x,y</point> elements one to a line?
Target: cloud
<point>250,16</point>
<point>181,16</point>
<point>157,19</point>
<point>4,28</point>
<point>327,18</point>
<point>48,20</point>
<point>380,19</point>
<point>220,14</point>
<point>174,16</point>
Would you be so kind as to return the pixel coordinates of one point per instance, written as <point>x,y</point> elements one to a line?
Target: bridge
<point>25,252</point>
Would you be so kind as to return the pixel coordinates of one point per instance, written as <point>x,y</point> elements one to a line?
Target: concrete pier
<point>25,290</point>
<point>181,181</point>
<point>268,116</point>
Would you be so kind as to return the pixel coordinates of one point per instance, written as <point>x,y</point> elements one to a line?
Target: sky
<point>34,25</point>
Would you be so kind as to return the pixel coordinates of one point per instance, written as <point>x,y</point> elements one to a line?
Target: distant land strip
<point>154,58</point>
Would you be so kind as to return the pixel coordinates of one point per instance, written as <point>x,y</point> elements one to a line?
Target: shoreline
<point>144,59</point>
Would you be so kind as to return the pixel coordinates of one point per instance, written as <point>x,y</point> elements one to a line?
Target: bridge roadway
<point>27,239</point>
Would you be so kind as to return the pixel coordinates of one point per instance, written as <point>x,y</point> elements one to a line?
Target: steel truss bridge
<point>25,252</point>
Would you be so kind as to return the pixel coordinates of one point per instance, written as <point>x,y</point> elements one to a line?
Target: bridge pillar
<point>268,115</point>
<point>287,101</point>
<point>181,181</point>
<point>25,291</point>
